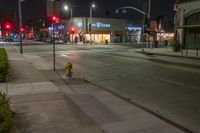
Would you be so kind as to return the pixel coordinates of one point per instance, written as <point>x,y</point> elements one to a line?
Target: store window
<point>98,38</point>
<point>192,35</point>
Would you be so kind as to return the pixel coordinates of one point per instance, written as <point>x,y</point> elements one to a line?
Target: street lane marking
<point>195,88</point>
<point>177,67</point>
<point>178,83</point>
<point>172,82</point>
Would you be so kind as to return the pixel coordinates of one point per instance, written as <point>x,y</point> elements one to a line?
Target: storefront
<point>102,30</point>
<point>188,23</point>
<point>133,33</point>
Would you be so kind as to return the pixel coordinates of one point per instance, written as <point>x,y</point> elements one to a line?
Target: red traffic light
<point>54,19</point>
<point>22,29</point>
<point>7,26</point>
<point>72,30</point>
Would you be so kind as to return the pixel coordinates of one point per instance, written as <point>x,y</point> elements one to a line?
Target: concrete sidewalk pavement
<point>193,54</point>
<point>46,101</point>
<point>39,105</point>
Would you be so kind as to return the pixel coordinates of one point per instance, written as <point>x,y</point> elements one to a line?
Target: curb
<point>163,118</point>
<point>178,56</point>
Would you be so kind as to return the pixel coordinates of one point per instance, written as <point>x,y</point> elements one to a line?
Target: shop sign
<point>61,27</point>
<point>57,27</point>
<point>133,28</point>
<point>101,25</point>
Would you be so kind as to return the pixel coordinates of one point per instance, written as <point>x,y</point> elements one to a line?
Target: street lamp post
<point>66,7</point>
<point>20,25</point>
<point>141,12</point>
<point>90,25</point>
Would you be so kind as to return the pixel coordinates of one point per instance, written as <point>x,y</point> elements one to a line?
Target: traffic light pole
<point>143,38</point>
<point>20,25</point>
<point>54,50</point>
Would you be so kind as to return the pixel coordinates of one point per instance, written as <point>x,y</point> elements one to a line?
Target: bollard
<point>68,69</point>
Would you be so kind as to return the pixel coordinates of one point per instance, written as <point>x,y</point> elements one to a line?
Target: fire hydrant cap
<point>69,65</point>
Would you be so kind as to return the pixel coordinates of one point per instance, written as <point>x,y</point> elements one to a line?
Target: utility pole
<point>90,26</point>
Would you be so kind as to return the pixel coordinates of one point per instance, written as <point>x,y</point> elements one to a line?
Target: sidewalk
<point>39,105</point>
<point>45,103</point>
<point>168,52</point>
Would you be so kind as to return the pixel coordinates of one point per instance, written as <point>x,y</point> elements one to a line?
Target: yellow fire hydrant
<point>68,69</point>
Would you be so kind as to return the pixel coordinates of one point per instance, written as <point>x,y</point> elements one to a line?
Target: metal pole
<point>149,15</point>
<point>44,30</point>
<point>20,26</point>
<point>9,37</point>
<point>1,39</point>
<point>54,52</point>
<point>71,14</point>
<point>149,9</point>
<point>143,38</point>
<point>187,50</point>
<point>90,26</point>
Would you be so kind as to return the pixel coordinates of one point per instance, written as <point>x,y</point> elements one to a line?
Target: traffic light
<point>72,30</point>
<point>22,29</point>
<point>8,26</point>
<point>54,19</point>
<point>7,34</point>
<point>11,34</point>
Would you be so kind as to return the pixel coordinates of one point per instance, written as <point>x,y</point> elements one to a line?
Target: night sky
<point>105,8</point>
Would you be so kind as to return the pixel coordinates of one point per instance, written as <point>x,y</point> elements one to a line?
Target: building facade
<point>102,29</point>
<point>187,21</point>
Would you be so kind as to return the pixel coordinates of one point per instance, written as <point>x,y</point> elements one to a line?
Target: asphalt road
<point>166,85</point>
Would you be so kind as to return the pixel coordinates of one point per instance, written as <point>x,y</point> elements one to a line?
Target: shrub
<point>3,65</point>
<point>6,115</point>
<point>175,44</point>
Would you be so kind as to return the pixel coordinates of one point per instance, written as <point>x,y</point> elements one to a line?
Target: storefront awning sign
<point>133,28</point>
<point>100,25</point>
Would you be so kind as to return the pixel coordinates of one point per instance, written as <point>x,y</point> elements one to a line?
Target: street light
<point>66,8</point>
<point>93,5</point>
<point>90,25</point>
<point>146,14</point>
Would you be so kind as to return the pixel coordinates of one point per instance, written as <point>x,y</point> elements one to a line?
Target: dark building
<point>188,23</point>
